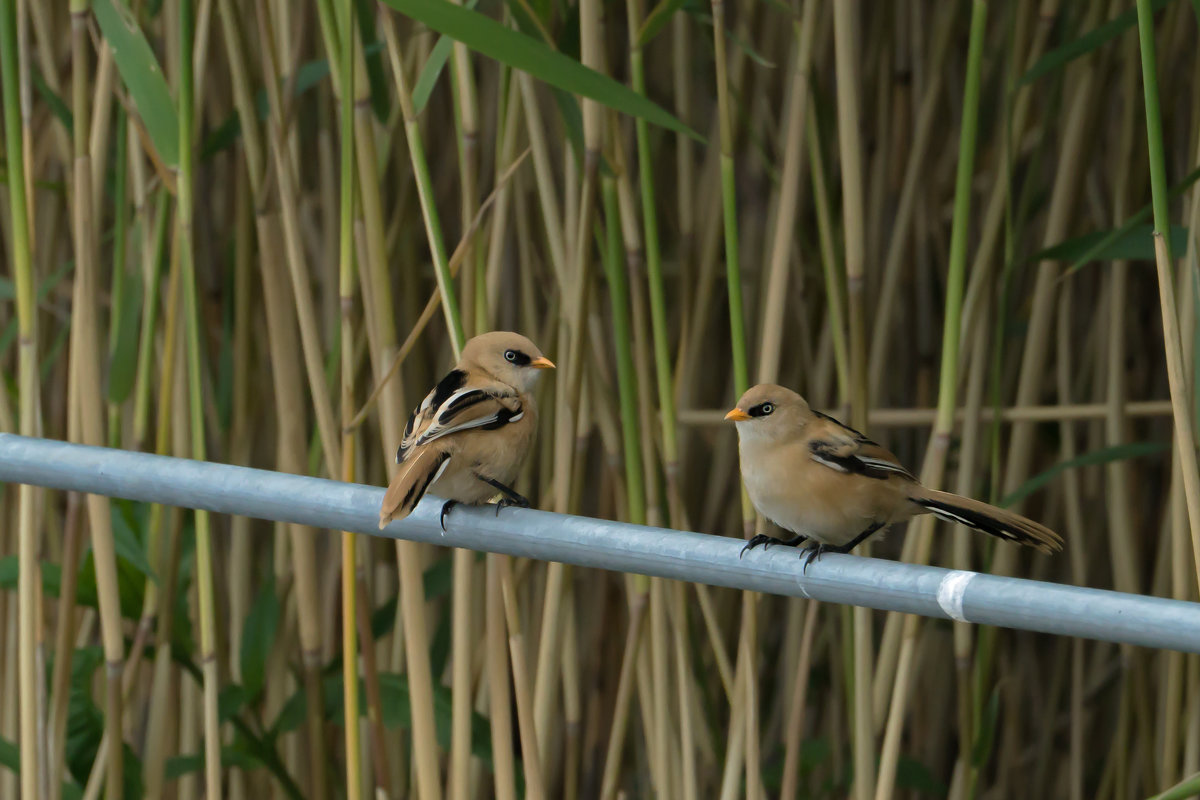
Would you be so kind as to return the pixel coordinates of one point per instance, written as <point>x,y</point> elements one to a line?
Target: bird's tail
<point>987,518</point>
<point>409,484</point>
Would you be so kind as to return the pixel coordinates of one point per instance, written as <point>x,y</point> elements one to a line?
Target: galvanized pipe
<point>888,585</point>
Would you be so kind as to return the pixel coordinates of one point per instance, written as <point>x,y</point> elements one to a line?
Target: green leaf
<point>230,701</point>
<point>131,584</point>
<point>423,87</point>
<point>10,758</point>
<point>51,99</point>
<point>1140,217</point>
<point>1062,55</point>
<point>128,543</point>
<point>383,619</point>
<point>291,716</point>
<point>55,350</point>
<point>986,731</point>
<point>308,75</point>
<point>123,367</point>
<point>51,575</point>
<point>1189,787</point>
<point>142,76</point>
<point>376,80</point>
<point>258,636</point>
<point>178,766</point>
<point>912,774</point>
<point>44,289</point>
<point>1101,456</point>
<point>438,578</point>
<point>499,42</point>
<point>656,20</point>
<point>736,40</point>
<point>1127,243</point>
<point>397,711</point>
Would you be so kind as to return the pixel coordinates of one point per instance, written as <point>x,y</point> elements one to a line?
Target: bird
<point>467,440</point>
<point>831,486</point>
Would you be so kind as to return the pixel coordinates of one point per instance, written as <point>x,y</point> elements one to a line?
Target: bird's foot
<point>759,539</point>
<point>814,552</point>
<point>516,501</point>
<point>767,541</point>
<point>446,506</point>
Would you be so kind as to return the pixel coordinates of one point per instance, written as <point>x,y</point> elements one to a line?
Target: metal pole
<point>888,585</point>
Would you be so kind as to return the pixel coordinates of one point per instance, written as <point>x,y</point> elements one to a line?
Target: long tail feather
<point>418,471</point>
<point>987,518</point>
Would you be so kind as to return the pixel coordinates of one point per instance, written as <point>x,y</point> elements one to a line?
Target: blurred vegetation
<point>256,231</point>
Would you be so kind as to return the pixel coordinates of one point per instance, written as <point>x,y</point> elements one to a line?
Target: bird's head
<point>769,411</point>
<point>508,357</point>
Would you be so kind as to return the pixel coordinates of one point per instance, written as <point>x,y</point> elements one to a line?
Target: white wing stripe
<point>890,466</point>
<point>437,431</point>
<point>831,464</point>
<point>450,401</point>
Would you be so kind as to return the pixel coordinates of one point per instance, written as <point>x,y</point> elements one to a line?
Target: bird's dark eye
<point>762,409</point>
<point>510,355</point>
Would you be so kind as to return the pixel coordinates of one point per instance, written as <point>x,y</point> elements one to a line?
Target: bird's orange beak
<point>737,415</point>
<point>541,362</point>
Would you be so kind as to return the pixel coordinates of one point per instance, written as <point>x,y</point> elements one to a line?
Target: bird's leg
<point>446,506</point>
<point>511,496</point>
<point>856,541</point>
<point>767,541</point>
<point>817,550</point>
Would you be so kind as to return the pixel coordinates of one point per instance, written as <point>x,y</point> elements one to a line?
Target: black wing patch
<point>828,455</point>
<point>447,386</point>
<point>456,406</point>
<point>505,416</point>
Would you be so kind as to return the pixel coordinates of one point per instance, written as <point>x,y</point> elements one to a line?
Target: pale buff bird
<point>828,483</point>
<point>467,440</point>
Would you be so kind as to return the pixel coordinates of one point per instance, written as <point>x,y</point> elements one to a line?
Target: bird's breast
<point>802,496</point>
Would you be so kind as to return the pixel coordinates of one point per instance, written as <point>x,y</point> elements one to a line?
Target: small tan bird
<point>826,482</point>
<point>471,433</point>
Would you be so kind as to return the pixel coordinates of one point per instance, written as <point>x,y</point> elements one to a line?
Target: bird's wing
<point>844,449</point>
<point>456,405</point>
<point>409,483</point>
<point>425,414</point>
<point>487,407</point>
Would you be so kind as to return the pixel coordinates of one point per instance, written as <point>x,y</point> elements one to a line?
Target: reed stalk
<point>184,248</point>
<point>85,357</point>
<point>1185,436</point>
<point>590,681</point>
<point>474,286</point>
<point>845,21</point>
<point>346,274</point>
<point>934,466</point>
<point>786,215</point>
<point>29,574</point>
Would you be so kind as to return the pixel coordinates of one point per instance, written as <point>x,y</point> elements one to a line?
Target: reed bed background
<point>257,231</point>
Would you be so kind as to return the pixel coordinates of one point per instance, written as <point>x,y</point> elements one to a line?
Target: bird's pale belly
<point>461,485</point>
<point>816,517</point>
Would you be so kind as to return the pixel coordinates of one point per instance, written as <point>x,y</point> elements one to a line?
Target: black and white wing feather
<point>844,449</point>
<point>452,407</point>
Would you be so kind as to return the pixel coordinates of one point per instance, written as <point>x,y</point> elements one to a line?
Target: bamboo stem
<point>29,575</point>
<point>1180,398</point>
